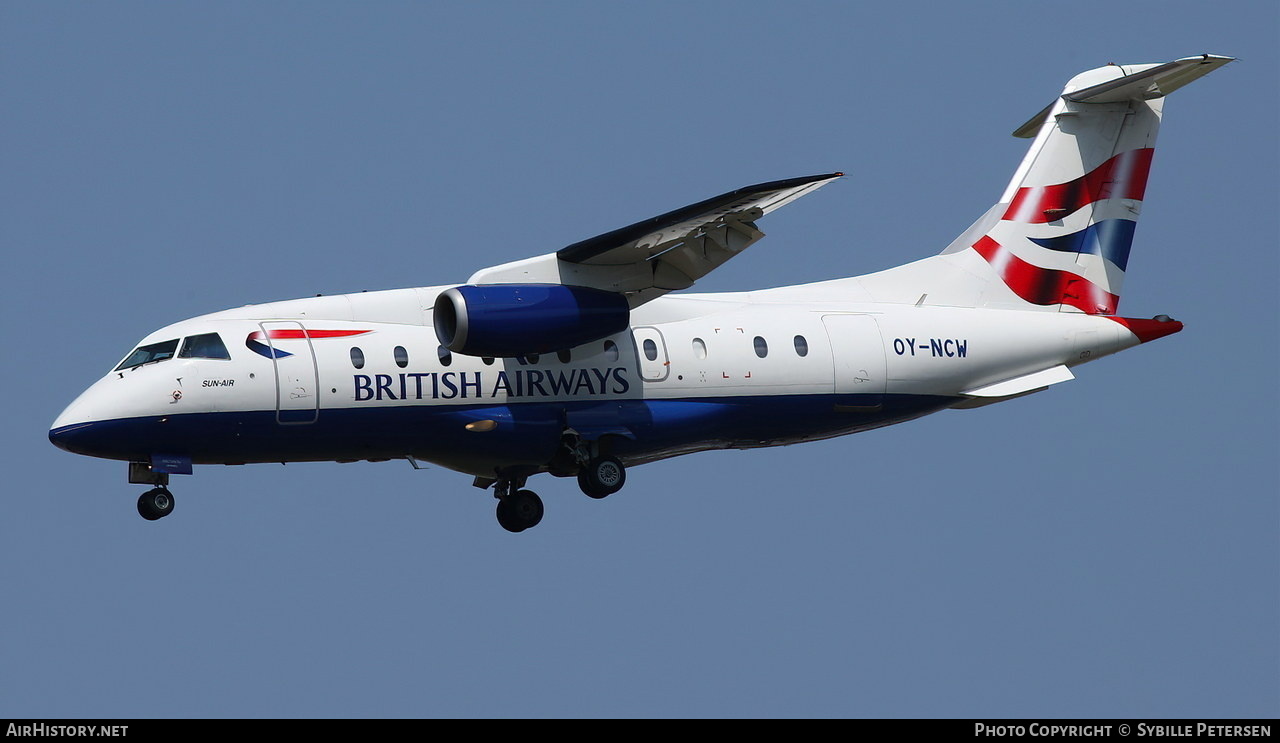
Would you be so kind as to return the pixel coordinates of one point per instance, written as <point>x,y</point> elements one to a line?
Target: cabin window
<point>531,358</point>
<point>446,358</point>
<point>401,356</point>
<point>699,348</point>
<point>150,353</point>
<point>206,346</point>
<point>762,348</point>
<point>357,358</point>
<point>565,356</point>
<point>802,346</point>
<point>650,349</point>
<point>610,351</point>
<point>488,360</point>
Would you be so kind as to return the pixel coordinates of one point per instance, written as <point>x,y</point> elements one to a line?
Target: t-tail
<point>1060,236</point>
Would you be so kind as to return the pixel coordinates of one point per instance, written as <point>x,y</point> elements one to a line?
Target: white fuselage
<point>363,376</point>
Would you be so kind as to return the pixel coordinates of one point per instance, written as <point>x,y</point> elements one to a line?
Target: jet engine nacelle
<point>505,320</point>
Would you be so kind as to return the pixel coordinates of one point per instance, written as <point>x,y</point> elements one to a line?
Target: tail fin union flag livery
<point>584,363</point>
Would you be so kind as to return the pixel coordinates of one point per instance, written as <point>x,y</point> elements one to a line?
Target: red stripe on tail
<point>1046,286</point>
<point>1122,177</point>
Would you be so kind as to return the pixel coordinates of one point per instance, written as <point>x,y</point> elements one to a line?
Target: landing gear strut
<point>155,504</point>
<point>599,474</point>
<point>517,509</point>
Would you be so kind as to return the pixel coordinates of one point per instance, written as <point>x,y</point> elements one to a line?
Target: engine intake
<point>506,320</point>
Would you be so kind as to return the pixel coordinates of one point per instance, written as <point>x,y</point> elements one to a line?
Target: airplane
<point>592,359</point>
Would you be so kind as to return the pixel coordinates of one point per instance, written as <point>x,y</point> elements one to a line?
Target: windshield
<point>207,346</point>
<point>149,353</point>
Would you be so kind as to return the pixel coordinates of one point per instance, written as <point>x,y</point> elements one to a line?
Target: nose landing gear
<point>155,504</point>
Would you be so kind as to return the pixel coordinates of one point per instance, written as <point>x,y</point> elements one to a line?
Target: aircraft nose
<point>108,439</point>
<point>76,412</point>
<point>80,428</point>
<point>74,429</point>
<point>72,438</point>
<point>102,423</point>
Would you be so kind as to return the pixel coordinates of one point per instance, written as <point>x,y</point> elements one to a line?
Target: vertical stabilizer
<point>1060,236</point>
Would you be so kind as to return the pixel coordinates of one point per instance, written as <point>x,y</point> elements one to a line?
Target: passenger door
<point>857,353</point>
<point>297,378</point>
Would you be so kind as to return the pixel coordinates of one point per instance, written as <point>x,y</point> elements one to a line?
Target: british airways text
<point>514,383</point>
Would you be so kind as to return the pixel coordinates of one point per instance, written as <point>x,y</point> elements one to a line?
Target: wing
<point>664,253</point>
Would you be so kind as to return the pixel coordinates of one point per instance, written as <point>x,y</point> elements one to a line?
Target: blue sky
<point>1108,548</point>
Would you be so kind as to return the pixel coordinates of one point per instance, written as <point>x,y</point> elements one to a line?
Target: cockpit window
<point>149,353</point>
<point>207,346</point>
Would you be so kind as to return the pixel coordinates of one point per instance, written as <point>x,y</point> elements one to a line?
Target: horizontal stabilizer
<point>1143,82</point>
<point>1150,83</point>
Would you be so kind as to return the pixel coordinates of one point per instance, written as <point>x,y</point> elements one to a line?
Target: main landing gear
<point>520,509</point>
<point>517,509</point>
<point>155,503</point>
<point>602,476</point>
<point>599,474</point>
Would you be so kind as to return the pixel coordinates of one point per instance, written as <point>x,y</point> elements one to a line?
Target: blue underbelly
<point>526,434</point>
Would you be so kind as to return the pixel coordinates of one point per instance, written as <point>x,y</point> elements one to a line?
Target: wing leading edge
<point>664,253</point>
